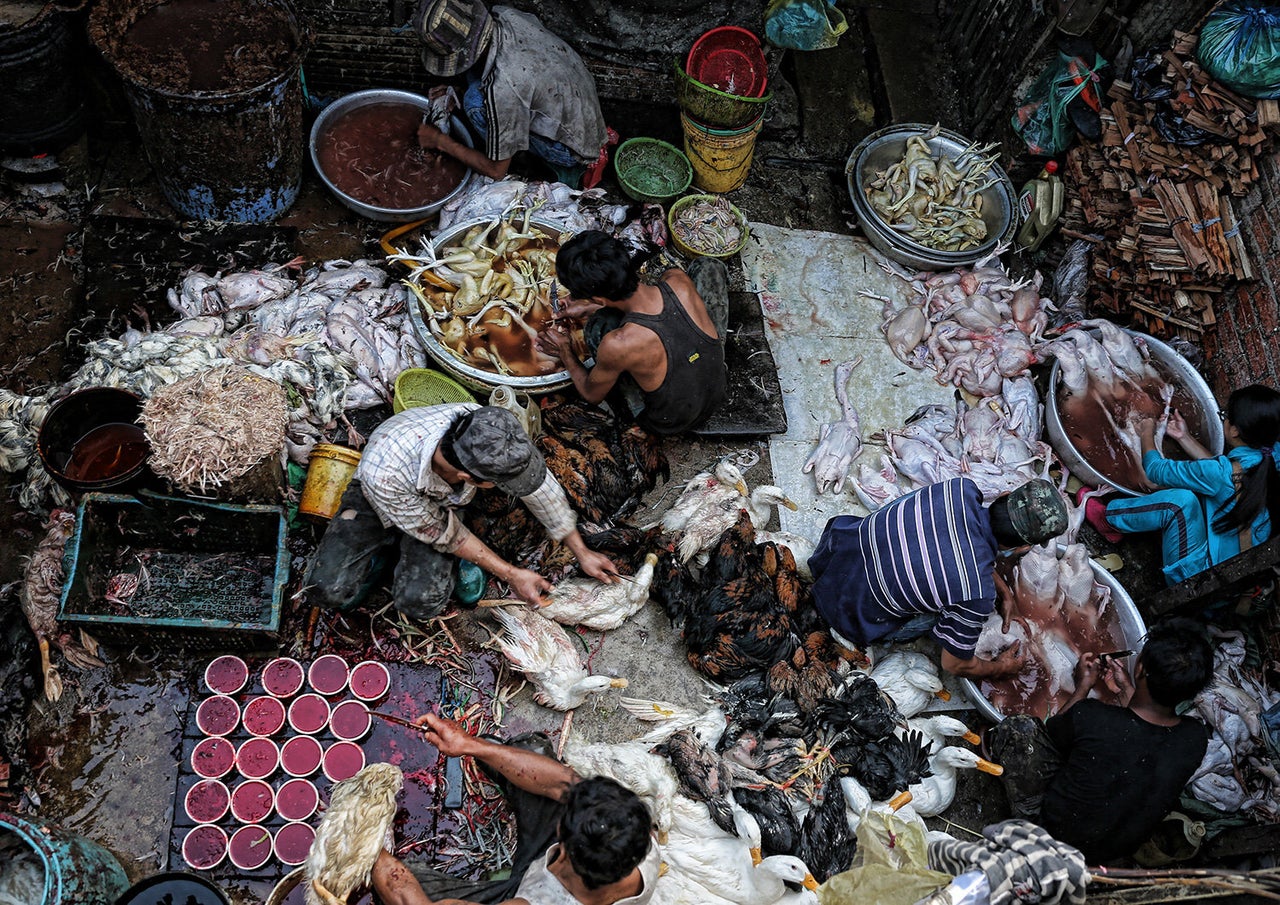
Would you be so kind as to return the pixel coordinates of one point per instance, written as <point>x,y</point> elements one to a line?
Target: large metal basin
<point>1132,625</point>
<point>882,149</point>
<point>360,99</point>
<point>473,377</point>
<point>1206,415</point>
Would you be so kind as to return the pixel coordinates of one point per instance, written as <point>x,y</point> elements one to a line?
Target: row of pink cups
<point>260,758</point>
<point>248,848</point>
<point>307,714</point>
<point>283,677</point>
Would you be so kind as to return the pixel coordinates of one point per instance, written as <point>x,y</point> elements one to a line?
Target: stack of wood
<point>1170,242</point>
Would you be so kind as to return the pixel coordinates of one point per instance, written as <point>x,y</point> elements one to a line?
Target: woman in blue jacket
<point>1209,508</point>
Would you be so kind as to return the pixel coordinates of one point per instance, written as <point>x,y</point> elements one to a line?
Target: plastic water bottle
<point>1040,205</point>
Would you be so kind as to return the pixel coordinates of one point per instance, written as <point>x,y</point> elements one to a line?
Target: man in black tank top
<point>659,350</point>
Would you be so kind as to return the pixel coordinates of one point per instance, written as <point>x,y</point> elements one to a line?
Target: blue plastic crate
<point>208,575</point>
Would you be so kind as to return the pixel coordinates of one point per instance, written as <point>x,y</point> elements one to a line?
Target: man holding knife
<point>1101,777</point>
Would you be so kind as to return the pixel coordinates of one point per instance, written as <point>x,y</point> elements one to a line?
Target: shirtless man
<point>661,346</point>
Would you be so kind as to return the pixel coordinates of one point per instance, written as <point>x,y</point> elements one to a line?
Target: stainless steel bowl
<point>360,99</point>
<point>472,377</point>
<point>1183,371</point>
<point>1132,626</point>
<point>882,149</point>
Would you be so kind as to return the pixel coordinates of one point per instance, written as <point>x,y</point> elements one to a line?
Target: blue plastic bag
<point>803,24</point>
<point>1240,47</point>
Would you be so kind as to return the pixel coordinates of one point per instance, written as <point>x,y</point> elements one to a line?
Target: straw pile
<point>209,429</point>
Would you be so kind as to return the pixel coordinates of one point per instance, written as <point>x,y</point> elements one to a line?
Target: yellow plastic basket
<point>423,386</point>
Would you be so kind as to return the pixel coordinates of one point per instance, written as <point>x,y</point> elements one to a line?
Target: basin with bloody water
<point>283,677</point>
<point>300,755</point>
<point>250,847</point>
<point>218,715</point>
<point>207,801</point>
<point>257,758</point>
<point>263,716</point>
<point>350,721</point>
<point>293,842</point>
<point>226,675</point>
<point>297,799</point>
<point>343,760</point>
<point>369,680</point>
<point>328,674</point>
<point>308,714</point>
<point>205,847</point>
<point>213,758</point>
<point>252,801</point>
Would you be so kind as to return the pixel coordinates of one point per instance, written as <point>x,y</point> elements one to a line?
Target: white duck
<point>706,526</point>
<point>840,441</point>
<point>349,838</point>
<point>934,794</point>
<point>911,679</point>
<point>633,766</point>
<point>705,490</point>
<point>541,650</point>
<point>599,606</point>
<point>937,729</point>
<point>728,867</point>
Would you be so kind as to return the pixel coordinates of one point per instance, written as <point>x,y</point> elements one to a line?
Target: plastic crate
<point>210,576</point>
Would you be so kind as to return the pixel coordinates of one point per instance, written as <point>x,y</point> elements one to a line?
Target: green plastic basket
<point>652,170</point>
<point>715,108</point>
<point>423,386</point>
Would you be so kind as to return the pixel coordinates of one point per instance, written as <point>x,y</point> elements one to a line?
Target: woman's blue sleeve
<point>1208,477</point>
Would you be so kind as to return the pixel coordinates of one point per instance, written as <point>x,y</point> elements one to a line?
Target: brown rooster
<point>41,591</point>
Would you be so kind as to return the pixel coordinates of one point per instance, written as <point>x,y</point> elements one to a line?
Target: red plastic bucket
<point>731,60</point>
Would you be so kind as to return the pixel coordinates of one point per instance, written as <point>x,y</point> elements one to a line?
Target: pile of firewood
<point>1170,242</point>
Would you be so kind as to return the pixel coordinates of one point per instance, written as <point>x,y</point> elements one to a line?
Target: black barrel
<point>89,441</point>
<point>231,154</point>
<point>41,85</point>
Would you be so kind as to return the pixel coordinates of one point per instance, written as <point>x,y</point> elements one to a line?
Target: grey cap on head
<point>1037,511</point>
<point>494,447</point>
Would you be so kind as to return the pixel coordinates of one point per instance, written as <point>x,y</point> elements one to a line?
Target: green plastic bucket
<point>715,108</point>
<point>76,870</point>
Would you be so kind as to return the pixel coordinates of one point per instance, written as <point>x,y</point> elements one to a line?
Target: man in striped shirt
<point>419,468</point>
<point>927,562</point>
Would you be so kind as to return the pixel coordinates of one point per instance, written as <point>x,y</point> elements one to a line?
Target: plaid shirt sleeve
<point>551,507</point>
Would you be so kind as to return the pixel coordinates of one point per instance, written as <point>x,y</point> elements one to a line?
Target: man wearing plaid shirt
<point>418,469</point>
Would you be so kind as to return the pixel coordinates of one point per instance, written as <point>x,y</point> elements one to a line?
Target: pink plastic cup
<point>328,674</point>
<point>226,675</point>
<point>250,847</point>
<point>204,847</point>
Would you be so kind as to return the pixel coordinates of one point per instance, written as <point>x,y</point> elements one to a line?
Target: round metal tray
<point>1211,426</point>
<point>469,376</point>
<point>882,149</point>
<point>1132,626</point>
<point>360,99</point>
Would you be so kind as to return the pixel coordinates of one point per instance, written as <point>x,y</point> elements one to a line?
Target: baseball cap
<point>1037,511</point>
<point>490,445</point>
<point>454,33</point>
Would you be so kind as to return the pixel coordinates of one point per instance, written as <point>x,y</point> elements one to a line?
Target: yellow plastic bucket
<point>329,471</point>
<point>721,158</point>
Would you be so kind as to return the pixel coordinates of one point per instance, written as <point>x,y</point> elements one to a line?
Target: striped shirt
<point>397,478</point>
<point>929,552</point>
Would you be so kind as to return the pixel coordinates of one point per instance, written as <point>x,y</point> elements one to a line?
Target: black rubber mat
<point>753,406</point>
